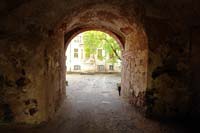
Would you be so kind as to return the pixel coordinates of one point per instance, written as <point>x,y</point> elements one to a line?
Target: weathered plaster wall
<point>195,65</point>
<point>22,79</point>
<point>54,73</point>
<point>169,75</point>
<point>134,73</point>
<point>31,77</point>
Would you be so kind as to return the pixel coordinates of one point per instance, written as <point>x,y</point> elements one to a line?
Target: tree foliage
<point>94,40</point>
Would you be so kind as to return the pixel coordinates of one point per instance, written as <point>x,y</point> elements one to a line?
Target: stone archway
<point>32,37</point>
<point>134,64</point>
<point>131,37</point>
<point>38,79</point>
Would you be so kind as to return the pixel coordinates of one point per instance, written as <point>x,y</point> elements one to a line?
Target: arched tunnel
<point>160,55</point>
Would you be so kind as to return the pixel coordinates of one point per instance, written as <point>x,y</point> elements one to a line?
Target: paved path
<point>94,106</point>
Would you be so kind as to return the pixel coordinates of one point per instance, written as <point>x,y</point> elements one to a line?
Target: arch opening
<point>89,50</point>
<point>133,43</point>
<point>131,37</point>
<point>71,34</point>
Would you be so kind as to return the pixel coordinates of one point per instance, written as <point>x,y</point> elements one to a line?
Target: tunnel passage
<point>134,77</point>
<point>132,40</point>
<point>43,81</point>
<point>157,49</point>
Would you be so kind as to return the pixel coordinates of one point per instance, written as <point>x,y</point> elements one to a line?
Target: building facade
<point>76,60</point>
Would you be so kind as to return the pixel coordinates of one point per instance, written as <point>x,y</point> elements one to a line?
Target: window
<point>75,40</point>
<point>81,53</point>
<point>78,39</point>
<point>75,53</point>
<point>111,55</point>
<point>77,67</point>
<point>87,55</point>
<point>111,67</point>
<point>100,67</point>
<point>99,54</point>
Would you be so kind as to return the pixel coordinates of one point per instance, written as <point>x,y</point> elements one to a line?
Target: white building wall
<point>85,64</point>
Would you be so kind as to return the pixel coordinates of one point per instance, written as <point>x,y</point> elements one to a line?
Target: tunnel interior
<point>159,49</point>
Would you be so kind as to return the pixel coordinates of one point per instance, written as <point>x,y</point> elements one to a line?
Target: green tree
<point>94,40</point>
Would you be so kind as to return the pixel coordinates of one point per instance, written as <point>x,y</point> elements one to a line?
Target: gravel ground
<point>94,106</point>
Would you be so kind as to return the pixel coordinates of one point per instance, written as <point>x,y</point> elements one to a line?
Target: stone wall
<point>20,85</point>
<point>168,94</point>
<point>55,73</point>
<point>134,73</point>
<point>195,63</point>
<point>31,78</point>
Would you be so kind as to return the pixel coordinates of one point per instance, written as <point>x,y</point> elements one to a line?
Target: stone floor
<point>94,106</point>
